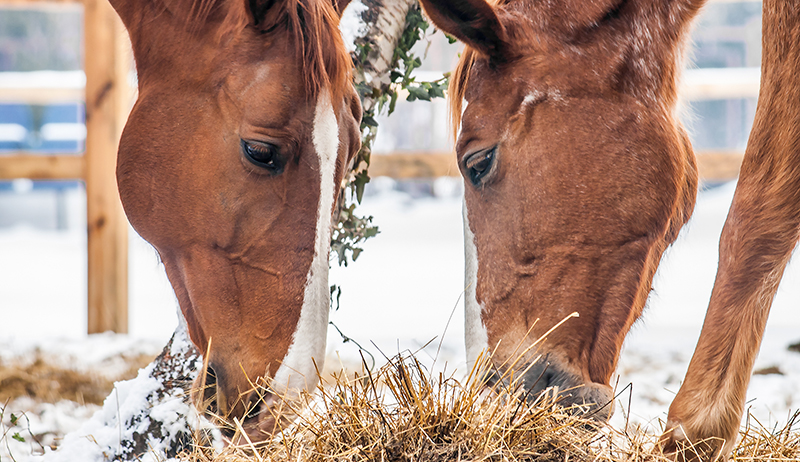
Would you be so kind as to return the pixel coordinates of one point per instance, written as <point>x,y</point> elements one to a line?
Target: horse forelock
<point>652,46</point>
<point>313,25</point>
<point>456,92</point>
<point>459,78</point>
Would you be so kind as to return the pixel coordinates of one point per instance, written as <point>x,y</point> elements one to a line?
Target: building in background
<point>726,36</point>
<point>40,53</point>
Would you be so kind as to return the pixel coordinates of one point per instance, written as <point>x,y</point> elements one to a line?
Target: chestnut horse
<point>230,165</point>
<point>578,175</point>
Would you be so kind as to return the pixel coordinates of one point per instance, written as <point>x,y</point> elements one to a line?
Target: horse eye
<point>479,165</point>
<point>263,155</point>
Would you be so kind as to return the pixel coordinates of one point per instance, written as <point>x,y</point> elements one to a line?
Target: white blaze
<point>475,336</point>
<point>308,343</point>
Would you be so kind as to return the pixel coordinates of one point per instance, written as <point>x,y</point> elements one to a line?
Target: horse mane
<point>312,24</point>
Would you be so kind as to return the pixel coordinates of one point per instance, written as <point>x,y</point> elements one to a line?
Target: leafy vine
<point>379,96</point>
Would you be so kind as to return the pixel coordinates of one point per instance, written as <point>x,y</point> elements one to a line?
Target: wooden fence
<point>107,96</point>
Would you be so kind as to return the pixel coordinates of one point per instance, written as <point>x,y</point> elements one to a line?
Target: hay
<point>44,380</point>
<point>759,443</point>
<point>401,413</point>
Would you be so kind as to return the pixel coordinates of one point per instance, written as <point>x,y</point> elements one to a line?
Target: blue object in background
<point>52,129</point>
<point>16,127</point>
<point>62,129</point>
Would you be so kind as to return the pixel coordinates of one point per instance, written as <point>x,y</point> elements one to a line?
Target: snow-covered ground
<point>403,292</point>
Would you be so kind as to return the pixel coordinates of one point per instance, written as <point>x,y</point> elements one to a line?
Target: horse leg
<point>757,241</point>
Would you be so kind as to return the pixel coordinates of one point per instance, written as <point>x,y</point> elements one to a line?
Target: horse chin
<point>249,419</point>
<point>261,426</point>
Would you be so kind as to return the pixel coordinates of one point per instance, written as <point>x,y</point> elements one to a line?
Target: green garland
<point>352,230</point>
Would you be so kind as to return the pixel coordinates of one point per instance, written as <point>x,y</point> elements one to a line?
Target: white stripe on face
<point>308,344</point>
<point>475,336</point>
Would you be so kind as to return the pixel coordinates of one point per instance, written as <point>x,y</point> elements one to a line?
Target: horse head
<point>577,176</point>
<point>230,165</point>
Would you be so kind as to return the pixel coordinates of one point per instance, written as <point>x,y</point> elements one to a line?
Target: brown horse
<point>230,165</point>
<point>578,176</point>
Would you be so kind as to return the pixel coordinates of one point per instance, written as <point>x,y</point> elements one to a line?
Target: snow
<point>404,292</point>
<point>352,25</point>
<point>149,414</point>
<point>95,440</point>
<point>43,79</point>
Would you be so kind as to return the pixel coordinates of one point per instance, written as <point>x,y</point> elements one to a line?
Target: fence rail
<point>41,167</point>
<point>714,166</point>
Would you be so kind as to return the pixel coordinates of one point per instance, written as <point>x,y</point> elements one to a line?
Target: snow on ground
<point>399,295</point>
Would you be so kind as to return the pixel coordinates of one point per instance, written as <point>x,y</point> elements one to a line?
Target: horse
<point>230,165</point>
<point>578,175</point>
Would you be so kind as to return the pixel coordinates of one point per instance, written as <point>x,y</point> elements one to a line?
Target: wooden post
<point>106,99</point>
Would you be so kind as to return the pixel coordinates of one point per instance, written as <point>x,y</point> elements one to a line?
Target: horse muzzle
<point>549,374</point>
<point>243,416</point>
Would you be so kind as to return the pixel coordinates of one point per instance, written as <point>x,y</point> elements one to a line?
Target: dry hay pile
<point>401,413</point>
<point>758,443</point>
<point>46,380</point>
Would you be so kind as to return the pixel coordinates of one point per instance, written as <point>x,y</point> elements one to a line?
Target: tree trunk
<point>384,22</point>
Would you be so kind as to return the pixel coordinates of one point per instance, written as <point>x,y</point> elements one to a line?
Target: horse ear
<point>258,9</point>
<point>474,22</point>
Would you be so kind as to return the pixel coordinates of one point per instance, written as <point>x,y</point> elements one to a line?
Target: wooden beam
<point>414,164</point>
<point>41,167</point>
<point>41,95</point>
<point>106,99</point>
<point>719,166</point>
<point>713,165</point>
<point>720,83</point>
<point>36,3</point>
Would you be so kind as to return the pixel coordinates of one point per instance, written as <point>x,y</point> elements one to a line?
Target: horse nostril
<point>254,408</point>
<point>258,403</point>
